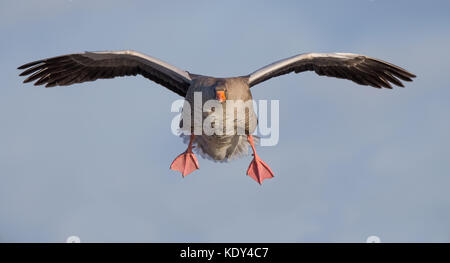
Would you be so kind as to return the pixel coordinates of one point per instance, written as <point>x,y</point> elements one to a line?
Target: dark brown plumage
<point>358,68</point>
<point>77,68</point>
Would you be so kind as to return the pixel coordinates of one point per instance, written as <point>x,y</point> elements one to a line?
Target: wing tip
<point>27,65</point>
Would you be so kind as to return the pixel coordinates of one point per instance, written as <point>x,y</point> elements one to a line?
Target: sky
<point>92,160</point>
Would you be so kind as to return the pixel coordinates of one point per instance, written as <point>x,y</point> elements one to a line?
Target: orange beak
<point>220,95</point>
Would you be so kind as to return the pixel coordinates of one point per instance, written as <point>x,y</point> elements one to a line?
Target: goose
<point>89,66</point>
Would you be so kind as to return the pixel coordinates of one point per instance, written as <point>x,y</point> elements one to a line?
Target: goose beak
<point>220,95</point>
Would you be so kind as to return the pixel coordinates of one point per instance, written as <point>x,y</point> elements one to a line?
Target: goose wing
<point>361,69</point>
<point>89,66</point>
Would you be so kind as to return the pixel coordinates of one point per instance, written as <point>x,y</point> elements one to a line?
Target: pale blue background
<point>92,160</point>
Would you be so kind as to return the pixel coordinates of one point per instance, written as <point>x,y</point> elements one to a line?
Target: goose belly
<point>220,148</point>
<point>226,137</point>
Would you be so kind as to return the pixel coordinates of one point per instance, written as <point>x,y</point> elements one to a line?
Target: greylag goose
<point>89,66</point>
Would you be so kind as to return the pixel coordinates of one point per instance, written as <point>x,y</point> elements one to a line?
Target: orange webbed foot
<point>259,170</point>
<point>186,163</point>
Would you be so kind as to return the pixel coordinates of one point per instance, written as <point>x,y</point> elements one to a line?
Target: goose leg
<point>186,162</point>
<point>258,169</point>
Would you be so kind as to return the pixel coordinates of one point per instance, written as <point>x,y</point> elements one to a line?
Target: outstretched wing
<point>89,66</point>
<point>358,68</point>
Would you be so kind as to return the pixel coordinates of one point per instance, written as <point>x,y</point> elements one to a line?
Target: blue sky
<point>92,159</point>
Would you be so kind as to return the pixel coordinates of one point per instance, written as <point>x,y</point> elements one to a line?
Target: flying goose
<point>89,66</point>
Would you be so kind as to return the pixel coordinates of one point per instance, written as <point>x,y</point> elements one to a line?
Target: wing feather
<point>89,66</point>
<point>360,69</point>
